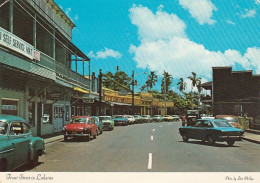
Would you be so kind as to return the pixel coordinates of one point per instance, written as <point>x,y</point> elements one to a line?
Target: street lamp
<point>133,89</point>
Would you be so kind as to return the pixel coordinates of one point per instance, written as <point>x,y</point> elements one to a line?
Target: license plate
<point>74,132</point>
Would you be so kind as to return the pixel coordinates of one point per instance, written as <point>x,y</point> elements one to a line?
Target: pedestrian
<point>183,118</point>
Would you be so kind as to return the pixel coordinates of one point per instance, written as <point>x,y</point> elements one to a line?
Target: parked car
<point>233,120</point>
<point>167,118</point>
<point>108,122</point>
<point>192,116</point>
<point>138,119</point>
<point>80,126</point>
<point>120,120</point>
<point>99,124</point>
<point>157,118</point>
<point>17,145</point>
<point>176,118</point>
<point>147,118</point>
<point>131,119</point>
<point>212,130</point>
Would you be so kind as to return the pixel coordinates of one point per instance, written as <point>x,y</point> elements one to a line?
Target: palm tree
<point>151,81</point>
<point>168,83</point>
<point>195,82</point>
<point>181,85</point>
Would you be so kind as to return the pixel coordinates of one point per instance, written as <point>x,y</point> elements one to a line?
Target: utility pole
<point>133,99</point>
<point>165,93</point>
<point>100,90</point>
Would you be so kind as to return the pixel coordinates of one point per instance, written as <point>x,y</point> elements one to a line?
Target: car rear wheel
<point>211,140</point>
<point>230,142</point>
<point>185,138</point>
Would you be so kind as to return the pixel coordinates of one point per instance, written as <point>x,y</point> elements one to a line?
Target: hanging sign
<point>16,44</point>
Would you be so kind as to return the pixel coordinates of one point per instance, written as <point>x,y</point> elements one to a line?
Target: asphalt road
<point>153,147</point>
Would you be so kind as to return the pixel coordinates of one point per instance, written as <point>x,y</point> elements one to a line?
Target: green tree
<point>195,82</point>
<point>120,80</point>
<point>151,80</point>
<point>168,78</point>
<point>181,85</point>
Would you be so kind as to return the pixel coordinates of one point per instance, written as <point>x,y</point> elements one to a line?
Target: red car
<point>80,126</point>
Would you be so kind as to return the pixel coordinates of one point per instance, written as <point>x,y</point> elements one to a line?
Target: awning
<point>81,90</point>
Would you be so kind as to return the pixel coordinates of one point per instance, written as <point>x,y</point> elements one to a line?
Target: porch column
<point>53,45</point>
<point>11,16</point>
<point>34,31</point>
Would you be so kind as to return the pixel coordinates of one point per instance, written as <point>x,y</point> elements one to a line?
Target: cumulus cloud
<point>201,10</point>
<point>249,13</point>
<point>103,54</point>
<point>175,53</point>
<point>230,22</point>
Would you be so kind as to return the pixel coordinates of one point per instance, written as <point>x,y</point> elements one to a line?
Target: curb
<point>250,140</point>
<point>47,141</point>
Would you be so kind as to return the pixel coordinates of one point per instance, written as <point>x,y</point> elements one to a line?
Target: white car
<point>131,119</point>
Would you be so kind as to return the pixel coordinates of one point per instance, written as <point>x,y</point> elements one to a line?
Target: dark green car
<point>99,124</point>
<point>17,145</point>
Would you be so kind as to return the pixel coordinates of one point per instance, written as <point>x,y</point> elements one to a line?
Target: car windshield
<point>222,124</point>
<point>79,120</point>
<point>3,128</point>
<point>156,116</point>
<point>119,116</point>
<point>137,116</point>
<point>230,119</point>
<point>105,118</point>
<point>146,116</point>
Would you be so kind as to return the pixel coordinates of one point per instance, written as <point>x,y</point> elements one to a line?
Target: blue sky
<point>178,36</point>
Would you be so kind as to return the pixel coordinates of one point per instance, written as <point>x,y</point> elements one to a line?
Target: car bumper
<point>225,138</point>
<point>77,135</point>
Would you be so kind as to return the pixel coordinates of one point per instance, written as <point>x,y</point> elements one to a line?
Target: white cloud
<point>230,22</point>
<point>156,26</point>
<point>257,1</point>
<point>201,10</point>
<point>249,14</point>
<point>105,53</point>
<point>175,53</point>
<point>76,17</point>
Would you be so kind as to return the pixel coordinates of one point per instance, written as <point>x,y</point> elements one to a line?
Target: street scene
<point>135,86</point>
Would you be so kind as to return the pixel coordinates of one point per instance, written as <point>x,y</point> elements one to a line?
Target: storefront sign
<point>122,92</point>
<point>37,55</point>
<point>54,96</point>
<point>88,100</point>
<point>13,42</point>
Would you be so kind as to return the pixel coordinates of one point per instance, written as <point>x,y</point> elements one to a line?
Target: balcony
<point>206,99</point>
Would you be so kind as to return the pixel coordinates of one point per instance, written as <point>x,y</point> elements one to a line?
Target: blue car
<point>121,120</point>
<point>99,124</point>
<point>212,130</point>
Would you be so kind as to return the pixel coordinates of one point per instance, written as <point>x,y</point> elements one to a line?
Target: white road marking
<point>150,161</point>
<point>151,138</point>
<point>153,130</point>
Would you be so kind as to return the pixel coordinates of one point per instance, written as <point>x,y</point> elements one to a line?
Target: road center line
<point>150,161</point>
<point>153,130</point>
<point>151,138</point>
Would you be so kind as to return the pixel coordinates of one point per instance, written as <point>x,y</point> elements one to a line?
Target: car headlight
<point>85,128</point>
<point>64,128</point>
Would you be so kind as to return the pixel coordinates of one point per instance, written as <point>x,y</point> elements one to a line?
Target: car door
<point>205,129</point>
<point>194,131</point>
<point>20,141</point>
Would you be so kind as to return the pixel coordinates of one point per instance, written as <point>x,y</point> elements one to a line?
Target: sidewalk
<point>252,136</point>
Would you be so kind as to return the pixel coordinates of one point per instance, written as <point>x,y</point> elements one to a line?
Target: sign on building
<point>16,44</point>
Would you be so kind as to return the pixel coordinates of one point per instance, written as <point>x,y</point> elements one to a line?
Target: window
<point>31,111</point>
<point>47,113</point>
<point>26,128</point>
<point>16,128</point>
<point>3,128</point>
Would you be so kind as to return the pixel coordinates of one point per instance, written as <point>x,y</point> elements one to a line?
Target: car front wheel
<point>230,142</point>
<point>211,140</point>
<point>185,138</point>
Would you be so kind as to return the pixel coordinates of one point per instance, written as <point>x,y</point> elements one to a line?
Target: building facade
<point>37,55</point>
<point>234,92</point>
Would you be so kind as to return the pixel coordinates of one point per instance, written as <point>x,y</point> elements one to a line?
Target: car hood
<point>106,121</point>
<point>75,126</point>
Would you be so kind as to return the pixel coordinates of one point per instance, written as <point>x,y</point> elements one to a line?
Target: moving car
<point>120,120</point>
<point>80,126</point>
<point>147,118</point>
<point>138,119</point>
<point>212,130</point>
<point>99,124</point>
<point>192,116</point>
<point>17,145</point>
<point>157,118</point>
<point>167,118</point>
<point>108,122</point>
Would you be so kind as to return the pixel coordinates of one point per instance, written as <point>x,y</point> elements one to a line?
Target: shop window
<point>47,113</point>
<point>31,111</point>
<point>10,106</point>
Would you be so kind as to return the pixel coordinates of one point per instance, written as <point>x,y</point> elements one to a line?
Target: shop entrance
<point>58,117</point>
